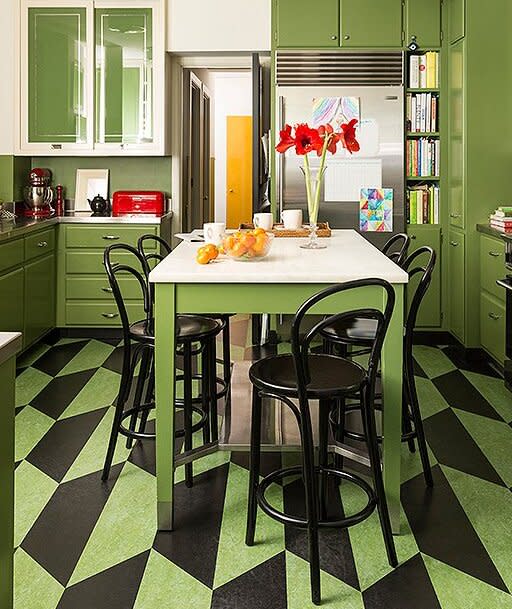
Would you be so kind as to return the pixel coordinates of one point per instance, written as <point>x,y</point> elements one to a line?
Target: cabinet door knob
<point>107,290</point>
<point>110,237</point>
<point>454,215</point>
<point>346,37</point>
<point>454,243</point>
<point>109,315</point>
<point>56,146</point>
<point>494,254</point>
<point>494,316</point>
<point>42,244</point>
<point>334,37</point>
<point>413,236</point>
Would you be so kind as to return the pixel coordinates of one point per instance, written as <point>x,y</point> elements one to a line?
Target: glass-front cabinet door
<point>56,79</point>
<point>124,76</point>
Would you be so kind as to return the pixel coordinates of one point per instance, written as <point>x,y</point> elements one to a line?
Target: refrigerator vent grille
<point>300,68</point>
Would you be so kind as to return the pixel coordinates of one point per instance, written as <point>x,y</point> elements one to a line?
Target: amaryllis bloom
<point>307,139</point>
<point>287,141</point>
<point>348,136</point>
<point>326,131</point>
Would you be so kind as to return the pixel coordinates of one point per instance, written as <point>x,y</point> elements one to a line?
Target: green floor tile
<point>125,528</point>
<point>494,439</point>
<point>92,455</point>
<point>93,355</point>
<point>233,556</point>
<point>28,384</point>
<point>165,585</point>
<point>33,490</point>
<point>30,426</point>
<point>489,508</point>
<point>457,590</point>
<point>430,399</point>
<point>34,587</point>
<point>99,392</point>
<point>494,391</point>
<point>432,360</point>
<point>367,541</point>
<point>335,593</point>
<point>30,356</point>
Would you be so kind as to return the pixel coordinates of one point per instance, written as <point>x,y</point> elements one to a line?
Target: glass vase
<point>313,196</point>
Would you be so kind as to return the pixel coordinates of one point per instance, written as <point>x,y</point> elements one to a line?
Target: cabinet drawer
<point>103,236</point>
<point>492,265</point>
<point>39,243</point>
<point>98,288</point>
<point>85,262</point>
<point>492,327</point>
<point>11,254</point>
<point>80,313</point>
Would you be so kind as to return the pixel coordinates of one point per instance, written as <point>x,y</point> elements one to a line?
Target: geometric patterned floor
<point>81,544</point>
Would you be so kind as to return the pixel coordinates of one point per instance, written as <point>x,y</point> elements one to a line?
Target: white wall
<point>233,97</point>
<point>7,90</point>
<point>218,25</point>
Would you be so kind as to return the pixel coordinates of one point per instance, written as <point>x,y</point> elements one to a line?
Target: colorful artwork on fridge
<point>334,110</point>
<point>376,210</point>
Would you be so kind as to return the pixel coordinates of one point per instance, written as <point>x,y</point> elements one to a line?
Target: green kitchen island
<point>277,284</point>
<point>10,345</point>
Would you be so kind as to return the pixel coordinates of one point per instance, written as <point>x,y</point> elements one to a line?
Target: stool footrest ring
<point>178,433</point>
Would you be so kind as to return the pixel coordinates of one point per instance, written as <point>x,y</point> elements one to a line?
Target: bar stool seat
<point>357,332</point>
<point>188,327</point>
<point>331,376</point>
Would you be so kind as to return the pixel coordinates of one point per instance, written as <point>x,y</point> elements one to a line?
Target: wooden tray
<point>324,230</point>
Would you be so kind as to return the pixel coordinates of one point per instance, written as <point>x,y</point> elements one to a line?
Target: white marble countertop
<point>347,256</point>
<point>10,345</point>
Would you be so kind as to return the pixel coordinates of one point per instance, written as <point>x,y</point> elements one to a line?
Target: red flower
<point>348,136</point>
<point>326,131</point>
<point>287,140</point>
<point>307,139</point>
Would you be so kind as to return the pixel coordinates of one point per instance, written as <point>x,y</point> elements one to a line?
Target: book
<point>503,212</point>
<point>422,68</point>
<point>431,69</point>
<point>414,75</point>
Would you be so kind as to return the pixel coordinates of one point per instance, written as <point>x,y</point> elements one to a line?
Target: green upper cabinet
<point>57,75</point>
<point>371,23</point>
<point>423,23</point>
<point>457,19</point>
<point>124,75</point>
<point>456,132</point>
<point>306,24</point>
<point>93,78</point>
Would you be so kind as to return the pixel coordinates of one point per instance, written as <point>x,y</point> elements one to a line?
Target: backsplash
<point>13,176</point>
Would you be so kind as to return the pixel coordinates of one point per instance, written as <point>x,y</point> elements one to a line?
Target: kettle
<point>99,205</point>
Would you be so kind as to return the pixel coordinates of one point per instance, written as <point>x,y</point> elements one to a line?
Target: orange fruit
<point>211,250</point>
<point>248,240</point>
<point>229,242</point>
<point>202,256</point>
<point>258,231</point>
<point>239,249</point>
<point>260,244</point>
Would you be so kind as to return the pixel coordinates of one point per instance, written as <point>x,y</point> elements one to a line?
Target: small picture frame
<point>89,183</point>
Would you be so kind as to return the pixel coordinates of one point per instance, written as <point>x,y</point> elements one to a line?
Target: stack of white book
<point>424,71</point>
<point>501,219</point>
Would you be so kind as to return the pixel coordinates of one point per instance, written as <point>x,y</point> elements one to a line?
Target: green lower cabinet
<point>423,23</point>
<point>492,265</point>
<point>305,24</point>
<point>11,301</point>
<point>80,313</point>
<point>39,298</point>
<point>457,284</point>
<point>370,23</point>
<point>492,326</point>
<point>429,314</point>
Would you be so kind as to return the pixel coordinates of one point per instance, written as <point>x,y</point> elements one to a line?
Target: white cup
<point>263,220</point>
<point>213,232</point>
<point>292,218</point>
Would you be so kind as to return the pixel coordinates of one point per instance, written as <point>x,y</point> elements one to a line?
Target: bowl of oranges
<point>248,245</point>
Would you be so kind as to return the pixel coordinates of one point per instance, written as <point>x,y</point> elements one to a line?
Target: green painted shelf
<point>423,178</point>
<point>423,134</point>
<point>422,90</point>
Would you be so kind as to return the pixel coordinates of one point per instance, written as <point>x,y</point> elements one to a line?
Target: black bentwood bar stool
<point>327,378</point>
<point>165,249</point>
<point>138,344</point>
<point>360,332</point>
<point>396,248</point>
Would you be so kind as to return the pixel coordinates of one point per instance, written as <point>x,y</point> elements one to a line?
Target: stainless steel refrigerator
<point>372,83</point>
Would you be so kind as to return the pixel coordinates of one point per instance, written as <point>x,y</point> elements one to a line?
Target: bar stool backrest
<point>396,248</point>
<point>114,269</point>
<point>301,342</point>
<point>149,256</point>
<point>424,270</point>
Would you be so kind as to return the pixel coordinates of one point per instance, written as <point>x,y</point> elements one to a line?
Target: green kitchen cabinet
<point>39,298</point>
<point>492,326</point>
<point>371,23</point>
<point>11,302</point>
<point>56,79</point>
<point>429,314</point>
<point>457,284</point>
<point>456,135</point>
<point>492,266</point>
<point>423,23</point>
<point>306,24</point>
<point>457,22</point>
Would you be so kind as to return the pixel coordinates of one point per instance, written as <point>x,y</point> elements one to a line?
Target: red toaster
<point>134,202</point>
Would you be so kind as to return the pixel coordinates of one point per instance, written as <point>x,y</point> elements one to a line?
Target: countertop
<point>21,226</point>
<point>10,345</point>
<point>492,232</point>
<point>347,256</point>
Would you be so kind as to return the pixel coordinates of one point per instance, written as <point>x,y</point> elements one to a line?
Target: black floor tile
<point>194,543</point>
<point>405,587</point>
<point>60,392</point>
<point>442,529</point>
<point>62,443</point>
<point>115,588</point>
<point>114,361</point>
<point>59,535</point>
<point>472,360</point>
<point>452,445</point>
<point>57,357</point>
<point>460,393</point>
<point>418,370</point>
<point>263,587</point>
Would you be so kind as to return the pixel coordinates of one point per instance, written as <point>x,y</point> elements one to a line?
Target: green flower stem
<point>314,201</point>
<point>307,175</point>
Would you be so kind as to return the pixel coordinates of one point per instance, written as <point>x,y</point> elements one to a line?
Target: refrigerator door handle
<point>280,162</point>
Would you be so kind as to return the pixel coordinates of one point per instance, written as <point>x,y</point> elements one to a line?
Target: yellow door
<point>238,170</point>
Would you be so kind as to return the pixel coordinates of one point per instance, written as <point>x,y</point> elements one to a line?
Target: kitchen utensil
<point>263,220</point>
<point>138,202</point>
<point>99,206</point>
<point>213,232</point>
